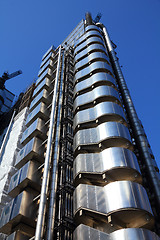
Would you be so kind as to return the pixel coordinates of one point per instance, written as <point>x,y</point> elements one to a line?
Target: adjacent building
<point>82,167</point>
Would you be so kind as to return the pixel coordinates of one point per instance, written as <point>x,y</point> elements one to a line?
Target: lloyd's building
<point>80,164</point>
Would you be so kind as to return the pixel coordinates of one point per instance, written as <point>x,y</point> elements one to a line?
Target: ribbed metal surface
<point>92,48</point>
<point>99,78</point>
<point>102,112</point>
<point>86,36</point>
<point>99,94</point>
<point>112,164</point>
<point>91,69</point>
<point>134,233</point>
<point>84,232</point>
<point>88,42</point>
<point>108,134</point>
<point>132,207</point>
<point>96,56</point>
<point>90,27</point>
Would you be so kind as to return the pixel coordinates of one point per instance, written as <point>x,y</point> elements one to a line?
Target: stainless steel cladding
<point>46,74</point>
<point>23,209</point>
<point>108,134</point>
<point>112,164</point>
<point>32,150</point>
<point>36,129</point>
<point>84,232</point>
<point>43,96</point>
<point>138,132</point>
<point>93,68</point>
<point>108,195</point>
<point>88,42</point>
<point>134,233</point>
<point>41,111</point>
<point>48,64</point>
<point>91,27</point>
<point>131,210</point>
<point>45,84</point>
<point>99,94</point>
<point>100,78</point>
<point>102,112</point>
<point>85,37</point>
<point>28,175</point>
<point>95,47</point>
<point>92,57</point>
<point>50,50</point>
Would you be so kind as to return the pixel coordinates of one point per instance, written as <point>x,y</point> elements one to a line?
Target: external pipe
<point>88,19</point>
<point>50,224</point>
<point>7,133</point>
<point>134,120</point>
<point>44,188</point>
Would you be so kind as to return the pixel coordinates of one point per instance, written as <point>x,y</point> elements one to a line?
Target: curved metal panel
<point>108,134</point>
<point>105,111</point>
<point>95,80</point>
<point>89,27</point>
<point>88,41</point>
<point>88,35</point>
<point>112,164</point>
<point>93,67</point>
<point>132,207</point>
<point>105,92</point>
<point>133,234</point>
<point>95,56</point>
<point>83,232</point>
<point>92,48</point>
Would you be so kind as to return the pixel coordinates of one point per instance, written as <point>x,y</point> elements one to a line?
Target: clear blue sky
<point>29,28</point>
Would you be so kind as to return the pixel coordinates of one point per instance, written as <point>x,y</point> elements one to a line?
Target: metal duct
<point>134,121</point>
<point>88,18</point>
<point>44,189</point>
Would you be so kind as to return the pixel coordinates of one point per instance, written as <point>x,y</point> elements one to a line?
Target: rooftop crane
<point>6,76</point>
<point>98,17</point>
